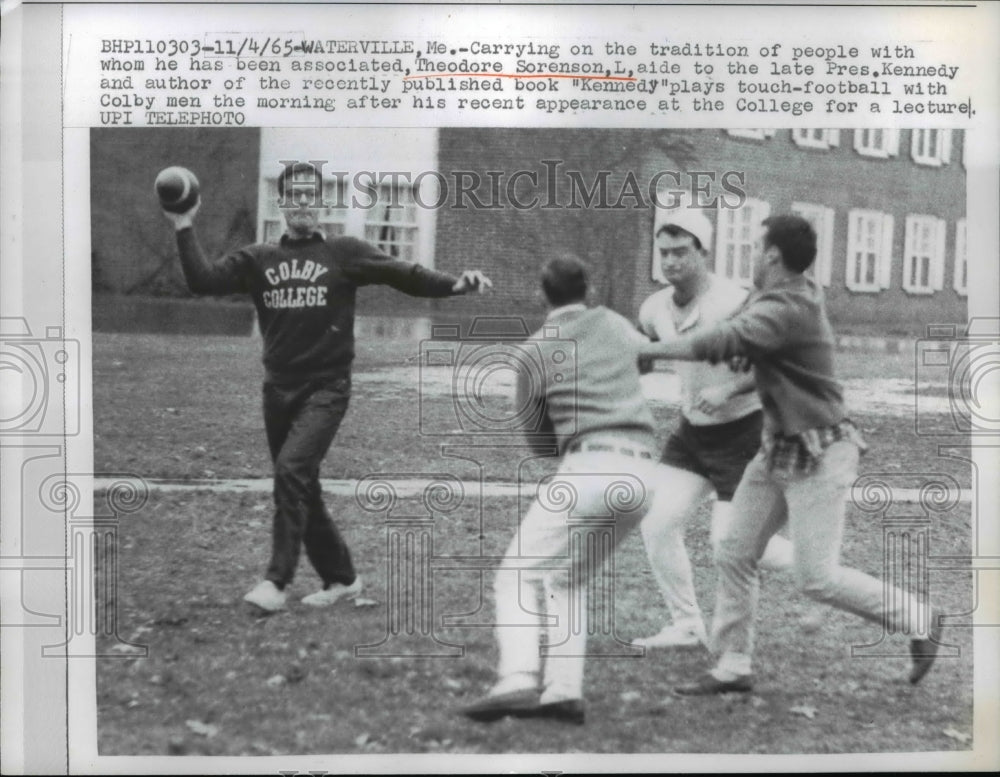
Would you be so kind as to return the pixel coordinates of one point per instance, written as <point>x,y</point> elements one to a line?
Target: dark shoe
<point>568,711</point>
<point>518,704</point>
<point>924,651</point>
<point>709,685</point>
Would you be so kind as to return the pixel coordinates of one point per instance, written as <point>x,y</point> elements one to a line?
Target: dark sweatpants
<point>301,420</point>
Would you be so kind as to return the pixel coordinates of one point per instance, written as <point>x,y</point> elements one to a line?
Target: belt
<point>603,447</point>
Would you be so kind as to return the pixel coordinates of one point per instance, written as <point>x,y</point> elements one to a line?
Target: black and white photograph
<point>492,439</point>
<point>491,398</point>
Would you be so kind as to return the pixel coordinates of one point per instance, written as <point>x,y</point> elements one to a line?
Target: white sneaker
<point>267,596</point>
<point>674,636</point>
<point>333,594</point>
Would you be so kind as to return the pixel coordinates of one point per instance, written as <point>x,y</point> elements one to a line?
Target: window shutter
<point>885,257</point>
<point>959,255</point>
<point>915,136</point>
<point>892,142</point>
<point>911,233</point>
<point>723,220</point>
<point>826,268</point>
<point>852,239</point>
<point>937,269</point>
<point>945,145</point>
<point>833,137</point>
<point>659,217</point>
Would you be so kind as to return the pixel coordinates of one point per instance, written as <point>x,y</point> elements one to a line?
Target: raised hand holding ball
<point>177,189</point>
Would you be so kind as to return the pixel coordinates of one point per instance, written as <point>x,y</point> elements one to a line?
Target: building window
<point>821,219</point>
<point>923,254</point>
<point>816,138</point>
<point>961,259</point>
<point>386,216</point>
<point>736,232</point>
<point>880,143</point>
<point>869,250</point>
<point>931,147</point>
<point>391,224</point>
<point>752,134</point>
<point>332,219</point>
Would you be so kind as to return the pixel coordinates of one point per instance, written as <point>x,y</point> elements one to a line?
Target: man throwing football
<point>304,289</point>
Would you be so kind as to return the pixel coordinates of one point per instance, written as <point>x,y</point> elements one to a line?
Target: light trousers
<point>814,505</point>
<point>679,494</point>
<point>571,529</point>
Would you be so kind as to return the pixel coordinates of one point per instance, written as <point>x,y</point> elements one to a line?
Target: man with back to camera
<point>304,290</point>
<point>595,414</point>
<point>718,432</point>
<point>806,466</point>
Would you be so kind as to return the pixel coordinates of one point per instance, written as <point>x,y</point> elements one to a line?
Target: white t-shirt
<point>660,318</point>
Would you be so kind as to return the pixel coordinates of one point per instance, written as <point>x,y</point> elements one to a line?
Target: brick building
<point>888,205</point>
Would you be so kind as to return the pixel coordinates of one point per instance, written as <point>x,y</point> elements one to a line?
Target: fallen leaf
<point>359,602</point>
<point>202,729</point>
<point>453,684</point>
<point>362,740</point>
<point>805,710</point>
<point>631,696</point>
<point>276,681</point>
<point>952,733</point>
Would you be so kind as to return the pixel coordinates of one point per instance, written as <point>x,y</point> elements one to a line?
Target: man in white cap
<point>719,430</point>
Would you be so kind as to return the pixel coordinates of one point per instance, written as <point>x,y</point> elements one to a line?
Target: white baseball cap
<point>693,221</point>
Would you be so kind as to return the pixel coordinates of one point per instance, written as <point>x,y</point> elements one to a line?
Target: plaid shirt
<point>800,453</point>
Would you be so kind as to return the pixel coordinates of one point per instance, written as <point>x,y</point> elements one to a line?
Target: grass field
<point>220,681</point>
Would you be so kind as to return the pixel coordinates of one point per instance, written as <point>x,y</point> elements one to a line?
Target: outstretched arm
<point>682,347</point>
<point>366,264</point>
<point>202,276</point>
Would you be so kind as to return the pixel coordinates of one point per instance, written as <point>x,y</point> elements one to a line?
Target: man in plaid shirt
<point>806,466</point>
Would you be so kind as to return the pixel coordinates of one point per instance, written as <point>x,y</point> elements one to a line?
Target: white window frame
<point>879,143</point>
<point>869,232</point>
<point>961,281</point>
<point>398,216</point>
<point>821,218</point>
<point>751,134</point>
<point>816,138</point>
<point>931,147</point>
<point>923,254</point>
<point>736,231</point>
<point>352,213</point>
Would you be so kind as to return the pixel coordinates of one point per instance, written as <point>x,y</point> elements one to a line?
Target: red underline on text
<point>513,75</point>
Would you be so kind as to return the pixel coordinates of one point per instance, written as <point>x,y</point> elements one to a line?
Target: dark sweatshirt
<point>305,292</point>
<point>787,335</point>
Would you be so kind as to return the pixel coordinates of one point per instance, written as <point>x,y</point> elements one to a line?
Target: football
<point>177,189</point>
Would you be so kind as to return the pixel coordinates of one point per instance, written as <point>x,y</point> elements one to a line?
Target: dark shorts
<point>719,453</point>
